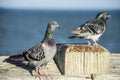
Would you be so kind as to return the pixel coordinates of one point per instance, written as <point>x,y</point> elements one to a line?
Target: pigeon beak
<point>109,16</point>
<point>58,26</point>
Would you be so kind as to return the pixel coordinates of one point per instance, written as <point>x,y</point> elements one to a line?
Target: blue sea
<point>23,29</point>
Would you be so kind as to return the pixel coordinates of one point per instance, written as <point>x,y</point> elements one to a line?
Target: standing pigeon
<point>42,53</point>
<point>92,29</point>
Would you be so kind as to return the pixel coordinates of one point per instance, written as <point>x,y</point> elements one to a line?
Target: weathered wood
<point>115,64</point>
<point>74,59</point>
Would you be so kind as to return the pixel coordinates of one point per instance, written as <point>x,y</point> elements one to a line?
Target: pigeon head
<point>53,25</point>
<point>50,30</point>
<point>103,15</point>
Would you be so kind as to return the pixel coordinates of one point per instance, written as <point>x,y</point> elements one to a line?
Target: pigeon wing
<point>95,26</point>
<point>82,31</point>
<point>36,53</point>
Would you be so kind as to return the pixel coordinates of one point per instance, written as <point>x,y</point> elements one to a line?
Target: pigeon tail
<point>73,36</point>
<point>18,57</point>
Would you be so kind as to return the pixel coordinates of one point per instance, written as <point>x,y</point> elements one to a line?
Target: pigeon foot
<point>38,75</point>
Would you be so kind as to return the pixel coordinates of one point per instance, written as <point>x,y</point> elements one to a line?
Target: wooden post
<point>74,59</point>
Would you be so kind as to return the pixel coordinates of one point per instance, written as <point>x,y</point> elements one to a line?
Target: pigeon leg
<point>95,43</point>
<point>43,73</point>
<point>89,43</point>
<point>38,74</point>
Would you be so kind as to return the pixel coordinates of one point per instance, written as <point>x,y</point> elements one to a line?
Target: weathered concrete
<point>12,72</point>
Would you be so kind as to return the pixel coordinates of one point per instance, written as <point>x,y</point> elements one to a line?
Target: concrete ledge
<point>12,72</point>
<point>61,77</point>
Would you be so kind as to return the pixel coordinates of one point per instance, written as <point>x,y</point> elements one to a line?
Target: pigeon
<point>42,53</point>
<point>92,29</point>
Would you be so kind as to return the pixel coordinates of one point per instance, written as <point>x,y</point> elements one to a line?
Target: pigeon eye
<point>53,24</point>
<point>105,14</point>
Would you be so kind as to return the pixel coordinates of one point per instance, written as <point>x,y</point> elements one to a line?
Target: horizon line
<point>60,8</point>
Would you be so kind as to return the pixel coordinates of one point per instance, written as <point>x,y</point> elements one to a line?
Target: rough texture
<point>85,48</point>
<point>11,72</point>
<point>77,59</point>
<point>115,64</point>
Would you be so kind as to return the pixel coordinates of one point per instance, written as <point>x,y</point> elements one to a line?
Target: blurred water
<point>23,29</point>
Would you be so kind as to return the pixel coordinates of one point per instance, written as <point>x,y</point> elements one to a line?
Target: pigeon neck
<point>101,18</point>
<point>49,36</point>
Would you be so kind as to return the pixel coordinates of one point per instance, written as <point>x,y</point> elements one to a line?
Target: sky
<point>60,4</point>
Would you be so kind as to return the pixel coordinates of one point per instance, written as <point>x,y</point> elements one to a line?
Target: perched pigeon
<point>92,29</point>
<point>42,53</point>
